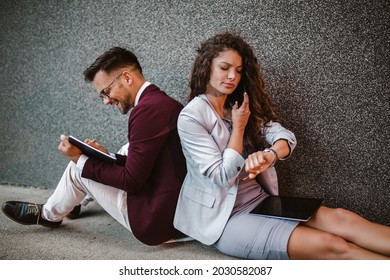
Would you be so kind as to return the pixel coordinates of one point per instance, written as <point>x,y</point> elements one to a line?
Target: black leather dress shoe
<point>26,213</point>
<point>75,213</point>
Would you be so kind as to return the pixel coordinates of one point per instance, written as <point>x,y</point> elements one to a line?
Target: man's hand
<point>70,151</point>
<point>96,145</point>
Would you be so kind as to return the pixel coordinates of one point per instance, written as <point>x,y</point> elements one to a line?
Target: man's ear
<point>128,77</point>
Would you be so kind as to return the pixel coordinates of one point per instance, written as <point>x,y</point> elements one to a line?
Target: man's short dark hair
<point>112,59</point>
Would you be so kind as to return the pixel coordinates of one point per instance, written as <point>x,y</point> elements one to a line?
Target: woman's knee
<point>335,247</point>
<point>307,243</point>
<point>342,217</point>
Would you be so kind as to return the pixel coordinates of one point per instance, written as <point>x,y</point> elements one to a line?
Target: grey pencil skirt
<point>251,236</point>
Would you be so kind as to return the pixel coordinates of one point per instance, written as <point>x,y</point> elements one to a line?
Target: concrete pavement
<point>94,236</point>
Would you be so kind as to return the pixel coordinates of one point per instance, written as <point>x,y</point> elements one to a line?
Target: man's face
<point>113,89</point>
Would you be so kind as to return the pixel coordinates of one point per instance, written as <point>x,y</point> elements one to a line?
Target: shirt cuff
<point>81,161</point>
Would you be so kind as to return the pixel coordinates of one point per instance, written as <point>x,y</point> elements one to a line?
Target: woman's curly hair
<point>252,82</point>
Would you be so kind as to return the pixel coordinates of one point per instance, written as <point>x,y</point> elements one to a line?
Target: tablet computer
<point>91,151</point>
<point>287,207</point>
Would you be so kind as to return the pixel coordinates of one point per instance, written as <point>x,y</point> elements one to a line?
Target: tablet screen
<point>286,207</point>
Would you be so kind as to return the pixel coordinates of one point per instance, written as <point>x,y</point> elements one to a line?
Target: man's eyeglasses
<point>105,94</point>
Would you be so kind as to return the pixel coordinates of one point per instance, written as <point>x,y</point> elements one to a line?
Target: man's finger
<point>64,139</point>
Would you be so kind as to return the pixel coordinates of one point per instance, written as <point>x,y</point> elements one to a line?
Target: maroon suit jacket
<point>153,171</point>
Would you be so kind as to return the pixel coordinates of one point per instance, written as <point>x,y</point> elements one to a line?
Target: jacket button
<point>238,168</point>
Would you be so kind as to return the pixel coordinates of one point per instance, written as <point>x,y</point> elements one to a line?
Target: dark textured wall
<point>326,65</point>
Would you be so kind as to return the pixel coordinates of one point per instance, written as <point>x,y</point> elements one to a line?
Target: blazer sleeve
<point>204,142</point>
<point>149,127</point>
<point>274,131</point>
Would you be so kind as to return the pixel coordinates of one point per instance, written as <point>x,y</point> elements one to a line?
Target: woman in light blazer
<point>231,138</point>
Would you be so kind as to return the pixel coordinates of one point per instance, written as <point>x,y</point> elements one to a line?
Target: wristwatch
<point>270,150</point>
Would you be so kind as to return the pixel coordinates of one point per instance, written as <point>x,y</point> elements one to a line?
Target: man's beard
<point>125,108</point>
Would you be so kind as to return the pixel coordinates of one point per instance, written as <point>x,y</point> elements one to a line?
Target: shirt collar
<point>141,90</point>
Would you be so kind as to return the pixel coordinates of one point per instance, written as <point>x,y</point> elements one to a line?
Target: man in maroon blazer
<point>139,190</point>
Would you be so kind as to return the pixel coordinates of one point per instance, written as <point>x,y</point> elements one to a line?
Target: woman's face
<point>225,73</point>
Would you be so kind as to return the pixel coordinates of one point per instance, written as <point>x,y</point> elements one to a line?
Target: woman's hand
<point>258,162</point>
<point>240,115</point>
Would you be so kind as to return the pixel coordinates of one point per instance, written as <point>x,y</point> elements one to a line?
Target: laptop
<point>287,207</point>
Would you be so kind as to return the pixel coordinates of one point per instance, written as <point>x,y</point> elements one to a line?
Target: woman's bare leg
<point>353,228</point>
<point>313,244</point>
